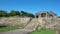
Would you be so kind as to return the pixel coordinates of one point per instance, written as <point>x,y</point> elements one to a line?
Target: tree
<point>3,13</point>
<point>26,14</point>
<point>14,13</point>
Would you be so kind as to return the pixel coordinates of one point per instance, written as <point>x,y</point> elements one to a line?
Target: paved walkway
<point>19,31</point>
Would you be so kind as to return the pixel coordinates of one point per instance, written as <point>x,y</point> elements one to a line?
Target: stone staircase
<point>32,25</point>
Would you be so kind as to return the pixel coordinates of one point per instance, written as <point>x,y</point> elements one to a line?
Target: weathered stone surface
<point>12,21</point>
<point>32,24</point>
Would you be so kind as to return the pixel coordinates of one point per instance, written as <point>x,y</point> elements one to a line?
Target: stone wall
<point>50,23</point>
<point>12,21</point>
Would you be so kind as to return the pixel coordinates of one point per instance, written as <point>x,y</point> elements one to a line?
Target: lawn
<point>44,31</point>
<point>9,28</point>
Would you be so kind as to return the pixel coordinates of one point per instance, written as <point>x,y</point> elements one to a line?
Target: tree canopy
<point>15,13</point>
<point>3,13</point>
<point>26,14</point>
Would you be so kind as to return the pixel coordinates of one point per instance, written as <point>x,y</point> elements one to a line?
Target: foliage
<point>15,13</point>
<point>26,14</point>
<point>3,13</point>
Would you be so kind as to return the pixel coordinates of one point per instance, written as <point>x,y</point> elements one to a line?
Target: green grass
<point>9,28</point>
<point>44,31</point>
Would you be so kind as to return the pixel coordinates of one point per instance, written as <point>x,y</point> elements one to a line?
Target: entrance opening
<point>51,15</point>
<point>43,15</point>
<point>36,16</point>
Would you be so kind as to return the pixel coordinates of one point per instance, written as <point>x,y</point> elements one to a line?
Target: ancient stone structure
<point>45,14</point>
<point>34,23</point>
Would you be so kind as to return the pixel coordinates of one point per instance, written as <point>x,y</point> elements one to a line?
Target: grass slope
<point>44,31</point>
<point>9,28</point>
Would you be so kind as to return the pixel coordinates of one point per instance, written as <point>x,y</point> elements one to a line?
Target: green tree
<point>14,13</point>
<point>3,13</point>
<point>26,14</point>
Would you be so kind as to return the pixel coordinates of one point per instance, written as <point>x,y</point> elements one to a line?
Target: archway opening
<point>43,15</point>
<point>37,16</point>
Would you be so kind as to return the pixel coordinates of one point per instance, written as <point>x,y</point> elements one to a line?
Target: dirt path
<point>19,31</point>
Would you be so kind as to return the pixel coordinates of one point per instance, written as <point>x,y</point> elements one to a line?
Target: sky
<point>31,6</point>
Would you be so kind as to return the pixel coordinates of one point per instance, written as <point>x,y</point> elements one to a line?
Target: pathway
<point>19,31</point>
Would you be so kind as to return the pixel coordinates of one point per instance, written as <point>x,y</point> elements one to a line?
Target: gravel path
<point>19,31</point>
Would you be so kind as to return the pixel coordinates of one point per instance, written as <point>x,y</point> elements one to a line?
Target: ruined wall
<point>50,23</point>
<point>12,21</point>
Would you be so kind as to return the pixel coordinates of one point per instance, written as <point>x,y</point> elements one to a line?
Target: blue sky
<point>31,6</point>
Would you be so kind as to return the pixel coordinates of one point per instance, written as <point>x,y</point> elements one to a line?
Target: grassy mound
<point>44,31</point>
